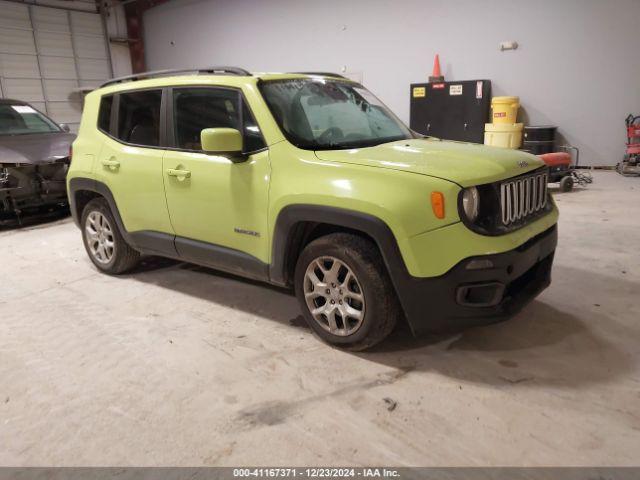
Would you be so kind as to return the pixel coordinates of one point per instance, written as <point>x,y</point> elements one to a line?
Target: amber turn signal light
<point>437,203</point>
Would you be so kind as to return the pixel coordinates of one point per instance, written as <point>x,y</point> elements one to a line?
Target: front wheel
<point>103,242</point>
<point>345,292</point>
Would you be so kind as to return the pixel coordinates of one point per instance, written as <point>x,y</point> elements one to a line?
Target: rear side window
<point>104,114</point>
<point>139,117</point>
<point>198,108</point>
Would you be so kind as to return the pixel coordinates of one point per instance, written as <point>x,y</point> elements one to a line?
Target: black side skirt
<point>202,253</point>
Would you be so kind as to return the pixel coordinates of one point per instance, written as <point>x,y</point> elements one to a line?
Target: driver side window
<point>197,108</point>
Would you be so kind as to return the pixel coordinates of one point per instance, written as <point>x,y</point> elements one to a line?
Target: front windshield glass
<point>23,119</point>
<point>321,114</point>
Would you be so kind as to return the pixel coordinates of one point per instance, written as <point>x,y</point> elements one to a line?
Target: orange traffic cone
<point>436,76</point>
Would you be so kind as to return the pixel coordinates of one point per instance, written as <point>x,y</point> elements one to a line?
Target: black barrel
<point>539,133</point>
<point>538,147</point>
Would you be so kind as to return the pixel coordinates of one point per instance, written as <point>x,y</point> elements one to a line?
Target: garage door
<point>47,55</point>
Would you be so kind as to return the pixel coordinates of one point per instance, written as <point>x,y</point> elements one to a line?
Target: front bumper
<point>465,297</point>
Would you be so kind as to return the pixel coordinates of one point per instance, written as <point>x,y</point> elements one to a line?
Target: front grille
<point>523,197</point>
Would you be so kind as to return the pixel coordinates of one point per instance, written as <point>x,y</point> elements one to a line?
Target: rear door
<point>130,161</point>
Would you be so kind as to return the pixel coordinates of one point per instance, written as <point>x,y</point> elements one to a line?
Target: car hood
<point>35,148</point>
<point>463,163</point>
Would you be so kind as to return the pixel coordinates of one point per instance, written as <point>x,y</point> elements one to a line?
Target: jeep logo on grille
<point>523,164</point>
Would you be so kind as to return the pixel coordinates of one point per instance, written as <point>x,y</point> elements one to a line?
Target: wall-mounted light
<point>511,45</point>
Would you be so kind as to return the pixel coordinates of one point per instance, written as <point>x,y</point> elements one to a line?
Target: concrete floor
<point>178,365</point>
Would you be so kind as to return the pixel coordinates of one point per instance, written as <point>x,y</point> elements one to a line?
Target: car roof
<point>11,101</point>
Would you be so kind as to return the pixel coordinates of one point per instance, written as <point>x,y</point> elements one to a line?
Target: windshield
<point>321,114</point>
<point>23,119</point>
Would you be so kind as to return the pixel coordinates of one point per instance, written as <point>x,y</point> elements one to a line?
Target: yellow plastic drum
<point>503,135</point>
<point>504,109</point>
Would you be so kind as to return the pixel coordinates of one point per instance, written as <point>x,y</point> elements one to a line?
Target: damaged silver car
<point>34,159</point>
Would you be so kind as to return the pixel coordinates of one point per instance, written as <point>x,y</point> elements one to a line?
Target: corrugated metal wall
<point>48,54</point>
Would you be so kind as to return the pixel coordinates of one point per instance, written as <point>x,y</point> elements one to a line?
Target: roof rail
<point>323,74</point>
<point>164,73</point>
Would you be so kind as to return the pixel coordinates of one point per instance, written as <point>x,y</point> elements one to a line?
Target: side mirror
<point>65,127</point>
<point>221,140</point>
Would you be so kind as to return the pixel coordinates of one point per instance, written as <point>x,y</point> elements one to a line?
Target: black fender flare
<point>87,184</point>
<point>372,226</point>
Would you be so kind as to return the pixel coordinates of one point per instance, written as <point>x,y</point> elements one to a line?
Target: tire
<point>374,317</point>
<point>99,228</point>
<point>566,184</point>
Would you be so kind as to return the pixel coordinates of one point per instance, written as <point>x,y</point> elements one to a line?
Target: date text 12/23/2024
<point>315,473</point>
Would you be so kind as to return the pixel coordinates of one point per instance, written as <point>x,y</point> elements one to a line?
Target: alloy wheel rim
<point>100,237</point>
<point>334,296</point>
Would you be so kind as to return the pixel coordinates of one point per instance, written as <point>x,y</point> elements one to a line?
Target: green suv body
<point>308,181</point>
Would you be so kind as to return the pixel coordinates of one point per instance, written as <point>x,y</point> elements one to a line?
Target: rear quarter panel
<point>87,144</point>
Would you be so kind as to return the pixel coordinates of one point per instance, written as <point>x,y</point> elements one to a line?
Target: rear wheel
<point>103,242</point>
<point>345,292</point>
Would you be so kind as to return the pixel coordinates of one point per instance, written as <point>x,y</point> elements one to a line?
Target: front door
<point>218,208</point>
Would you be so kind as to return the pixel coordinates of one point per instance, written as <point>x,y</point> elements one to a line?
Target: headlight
<point>471,203</point>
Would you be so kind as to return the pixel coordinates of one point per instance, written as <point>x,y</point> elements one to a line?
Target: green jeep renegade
<point>308,181</point>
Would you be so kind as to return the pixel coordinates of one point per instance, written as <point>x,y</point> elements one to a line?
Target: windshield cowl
<point>362,144</point>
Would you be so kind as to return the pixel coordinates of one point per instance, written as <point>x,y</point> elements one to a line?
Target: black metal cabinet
<point>451,110</point>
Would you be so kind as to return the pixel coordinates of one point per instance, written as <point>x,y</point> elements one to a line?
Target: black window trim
<point>166,134</point>
<point>169,120</point>
<point>115,112</point>
<point>113,125</point>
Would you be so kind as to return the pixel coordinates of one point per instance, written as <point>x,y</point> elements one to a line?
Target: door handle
<point>181,174</point>
<point>111,164</point>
